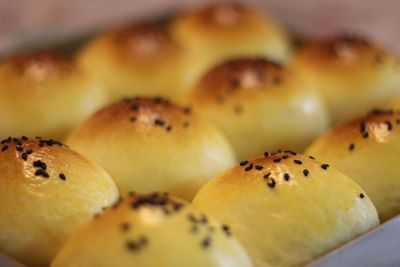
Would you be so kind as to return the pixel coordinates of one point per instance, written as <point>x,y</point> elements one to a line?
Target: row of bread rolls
<point>285,209</point>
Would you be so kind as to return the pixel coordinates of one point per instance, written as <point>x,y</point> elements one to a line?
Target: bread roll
<point>149,144</point>
<point>351,74</point>
<point>223,31</point>
<point>259,105</point>
<point>46,94</point>
<point>367,149</point>
<point>152,231</point>
<point>287,209</point>
<point>142,60</point>
<point>46,192</point>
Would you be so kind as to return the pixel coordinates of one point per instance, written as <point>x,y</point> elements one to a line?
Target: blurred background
<point>34,22</point>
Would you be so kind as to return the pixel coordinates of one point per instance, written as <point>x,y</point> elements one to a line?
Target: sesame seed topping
<point>226,229</point>
<point>388,125</point>
<point>266,154</point>
<point>159,122</point>
<point>271,183</point>
<point>24,156</point>
<point>168,128</point>
<point>4,148</point>
<point>19,148</point>
<point>258,167</point>
<point>361,195</point>
<point>41,172</point>
<point>311,157</point>
<point>40,164</point>
<point>325,166</point>
<point>298,162</point>
<point>206,242</point>
<point>365,134</point>
<point>244,163</point>
<point>285,156</point>
<point>305,172</point>
<point>266,176</point>
<point>351,147</point>
<point>62,176</point>
<point>125,226</point>
<point>277,160</point>
<point>286,176</point>
<point>248,168</point>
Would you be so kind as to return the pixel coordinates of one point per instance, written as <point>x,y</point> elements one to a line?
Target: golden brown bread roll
<point>223,31</point>
<point>46,94</point>
<point>259,105</point>
<point>46,192</point>
<point>287,209</point>
<point>149,144</point>
<point>351,74</point>
<point>366,149</point>
<point>140,60</point>
<point>151,231</point>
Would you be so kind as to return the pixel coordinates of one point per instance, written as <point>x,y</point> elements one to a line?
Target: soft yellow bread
<point>351,74</point>
<point>223,31</point>
<point>140,60</point>
<point>152,231</point>
<point>46,94</point>
<point>259,105</point>
<point>367,150</point>
<point>46,192</point>
<point>287,209</point>
<point>149,144</point>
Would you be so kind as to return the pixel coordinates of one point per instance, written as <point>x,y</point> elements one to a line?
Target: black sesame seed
<point>389,125</point>
<point>311,157</point>
<point>125,226</point>
<point>305,172</point>
<point>361,195</point>
<point>168,128</point>
<point>43,173</point>
<point>24,156</point>
<point>206,242</point>
<point>258,167</point>
<point>286,176</point>
<point>285,156</point>
<point>133,119</point>
<point>362,127</point>
<point>365,134</point>
<point>159,122</point>
<point>226,229</point>
<point>29,152</point>
<point>40,164</point>
<point>244,163</point>
<point>266,154</point>
<point>271,183</point>
<point>325,166</point>
<point>266,176</point>
<point>351,146</point>
<point>4,148</point>
<point>24,138</point>
<point>135,107</point>
<point>187,110</point>
<point>19,148</point>
<point>248,168</point>
<point>62,176</point>
<point>298,162</point>
<point>277,160</point>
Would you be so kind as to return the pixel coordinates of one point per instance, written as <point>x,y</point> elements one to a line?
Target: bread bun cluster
<point>45,94</point>
<point>260,105</point>
<point>149,144</point>
<point>287,209</point>
<point>187,106</point>
<point>352,74</point>
<point>150,230</point>
<point>47,191</point>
